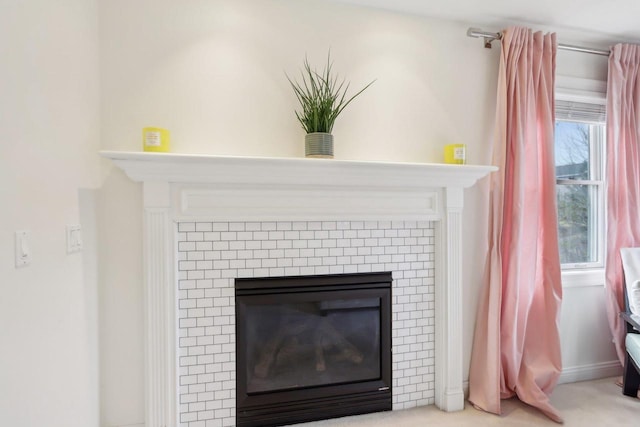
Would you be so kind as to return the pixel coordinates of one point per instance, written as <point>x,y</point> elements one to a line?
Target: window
<point>579,156</point>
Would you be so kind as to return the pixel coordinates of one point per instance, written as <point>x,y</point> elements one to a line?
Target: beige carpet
<point>585,404</point>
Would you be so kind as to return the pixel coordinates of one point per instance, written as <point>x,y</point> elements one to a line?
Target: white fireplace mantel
<point>225,188</point>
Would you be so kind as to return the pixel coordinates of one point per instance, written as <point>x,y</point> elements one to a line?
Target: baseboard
<point>575,374</point>
<point>593,371</point>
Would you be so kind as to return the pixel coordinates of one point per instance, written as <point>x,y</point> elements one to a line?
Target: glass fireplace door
<point>322,338</point>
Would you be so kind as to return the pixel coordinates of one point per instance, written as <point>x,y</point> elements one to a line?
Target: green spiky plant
<point>322,97</point>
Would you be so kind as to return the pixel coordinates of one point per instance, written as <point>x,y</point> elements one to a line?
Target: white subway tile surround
<point>212,254</point>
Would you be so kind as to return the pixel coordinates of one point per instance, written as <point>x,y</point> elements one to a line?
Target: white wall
<point>212,72</point>
<point>49,134</point>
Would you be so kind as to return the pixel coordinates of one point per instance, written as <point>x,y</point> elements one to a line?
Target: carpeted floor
<point>585,404</point>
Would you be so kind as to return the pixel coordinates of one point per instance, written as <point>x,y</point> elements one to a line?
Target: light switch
<point>23,248</point>
<point>74,238</point>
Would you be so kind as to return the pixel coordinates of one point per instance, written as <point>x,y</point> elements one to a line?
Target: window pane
<point>577,223</point>
<point>572,150</point>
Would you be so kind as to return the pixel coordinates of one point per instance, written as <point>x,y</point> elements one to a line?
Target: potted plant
<point>322,98</point>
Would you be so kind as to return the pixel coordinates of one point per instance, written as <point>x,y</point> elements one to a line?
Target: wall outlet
<point>23,248</point>
<point>74,238</point>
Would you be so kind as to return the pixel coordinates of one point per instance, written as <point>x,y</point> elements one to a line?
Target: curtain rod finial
<point>471,32</point>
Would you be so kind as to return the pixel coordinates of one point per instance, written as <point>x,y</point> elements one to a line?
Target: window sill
<point>583,278</point>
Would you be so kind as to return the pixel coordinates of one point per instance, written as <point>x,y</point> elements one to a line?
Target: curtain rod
<point>491,37</point>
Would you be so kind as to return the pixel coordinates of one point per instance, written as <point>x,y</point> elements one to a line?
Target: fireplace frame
<point>316,402</point>
<point>190,187</point>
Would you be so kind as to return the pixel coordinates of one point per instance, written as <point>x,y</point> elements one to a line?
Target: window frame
<point>597,164</point>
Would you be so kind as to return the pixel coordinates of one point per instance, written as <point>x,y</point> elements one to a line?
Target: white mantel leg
<point>159,307</point>
<point>449,393</point>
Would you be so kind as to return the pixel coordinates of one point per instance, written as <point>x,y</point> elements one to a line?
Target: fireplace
<point>190,374</point>
<point>312,347</point>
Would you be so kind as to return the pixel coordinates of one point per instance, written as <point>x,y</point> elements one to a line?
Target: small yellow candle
<point>455,154</point>
<point>155,139</point>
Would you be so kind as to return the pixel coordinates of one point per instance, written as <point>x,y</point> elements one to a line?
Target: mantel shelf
<point>198,168</point>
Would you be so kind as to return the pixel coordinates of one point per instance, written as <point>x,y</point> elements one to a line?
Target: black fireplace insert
<point>312,347</point>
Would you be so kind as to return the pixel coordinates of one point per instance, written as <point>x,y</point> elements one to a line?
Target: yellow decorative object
<point>155,139</point>
<point>455,154</point>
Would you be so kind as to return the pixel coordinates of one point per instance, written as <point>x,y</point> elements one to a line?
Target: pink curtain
<point>623,175</point>
<point>516,349</point>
